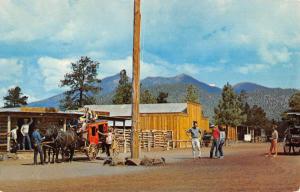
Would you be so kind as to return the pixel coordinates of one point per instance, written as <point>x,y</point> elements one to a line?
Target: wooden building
<point>175,117</point>
<point>42,118</point>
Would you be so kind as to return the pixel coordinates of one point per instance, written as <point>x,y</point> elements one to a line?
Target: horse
<point>49,144</point>
<point>67,142</point>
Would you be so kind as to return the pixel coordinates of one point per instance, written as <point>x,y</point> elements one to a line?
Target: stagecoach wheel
<point>92,152</point>
<point>286,149</point>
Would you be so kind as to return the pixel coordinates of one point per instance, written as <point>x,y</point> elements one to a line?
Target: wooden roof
<point>36,112</point>
<point>125,110</point>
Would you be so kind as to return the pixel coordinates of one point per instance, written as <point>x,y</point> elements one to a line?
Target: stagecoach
<point>95,141</point>
<point>292,134</point>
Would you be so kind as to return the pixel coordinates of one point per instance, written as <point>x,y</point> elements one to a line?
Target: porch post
<point>8,131</point>
<point>65,124</point>
<point>124,137</point>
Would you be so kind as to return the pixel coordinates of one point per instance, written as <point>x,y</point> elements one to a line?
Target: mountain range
<point>273,100</point>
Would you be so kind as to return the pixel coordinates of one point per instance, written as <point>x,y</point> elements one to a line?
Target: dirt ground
<point>244,168</point>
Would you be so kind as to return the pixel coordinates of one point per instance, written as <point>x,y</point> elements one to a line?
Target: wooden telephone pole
<point>136,81</point>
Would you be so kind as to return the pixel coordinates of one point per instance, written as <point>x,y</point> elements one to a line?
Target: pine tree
<point>162,97</point>
<point>15,98</point>
<point>147,97</point>
<point>229,112</point>
<point>67,103</point>
<point>192,94</point>
<point>82,82</point>
<point>123,93</point>
<point>256,118</point>
<point>294,102</point>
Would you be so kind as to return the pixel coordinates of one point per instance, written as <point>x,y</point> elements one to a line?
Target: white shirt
<point>222,135</point>
<point>109,138</point>
<point>25,129</point>
<point>14,134</point>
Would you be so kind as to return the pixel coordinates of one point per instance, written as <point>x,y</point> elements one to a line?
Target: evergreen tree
<point>192,94</point>
<point>82,82</point>
<point>162,97</point>
<point>229,112</point>
<point>15,98</point>
<point>294,102</point>
<point>67,103</point>
<point>123,94</point>
<point>147,97</point>
<point>256,118</point>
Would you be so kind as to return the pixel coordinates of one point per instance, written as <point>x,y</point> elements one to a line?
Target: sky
<point>214,41</point>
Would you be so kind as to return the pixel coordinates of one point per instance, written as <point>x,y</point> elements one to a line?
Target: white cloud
<point>156,68</point>
<point>274,56</point>
<point>10,69</point>
<point>31,20</point>
<point>252,68</point>
<point>53,70</point>
<point>112,67</point>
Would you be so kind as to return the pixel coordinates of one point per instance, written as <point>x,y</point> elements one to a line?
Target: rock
<point>146,161</point>
<point>152,162</point>
<point>107,161</point>
<point>161,161</point>
<point>117,162</point>
<point>114,162</point>
<point>2,157</point>
<point>12,156</point>
<point>132,162</point>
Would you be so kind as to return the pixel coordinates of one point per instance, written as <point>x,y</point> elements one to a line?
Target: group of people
<point>36,138</point>
<point>218,140</point>
<point>25,134</point>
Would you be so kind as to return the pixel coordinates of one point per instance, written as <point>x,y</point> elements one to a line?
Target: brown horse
<point>64,141</point>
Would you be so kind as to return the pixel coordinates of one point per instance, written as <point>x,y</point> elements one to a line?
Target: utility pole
<point>136,81</point>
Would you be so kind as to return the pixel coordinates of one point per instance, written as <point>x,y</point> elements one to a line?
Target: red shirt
<point>216,133</point>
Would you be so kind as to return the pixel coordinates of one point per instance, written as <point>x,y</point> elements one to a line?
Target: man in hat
<point>196,135</point>
<point>37,138</point>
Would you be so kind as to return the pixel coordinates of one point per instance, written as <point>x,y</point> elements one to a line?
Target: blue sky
<point>215,41</point>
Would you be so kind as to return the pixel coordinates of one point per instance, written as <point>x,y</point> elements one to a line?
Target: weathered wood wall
<point>178,123</point>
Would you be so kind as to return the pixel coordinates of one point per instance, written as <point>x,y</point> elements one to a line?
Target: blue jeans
<point>214,147</point>
<point>38,149</point>
<point>26,136</point>
<point>222,141</point>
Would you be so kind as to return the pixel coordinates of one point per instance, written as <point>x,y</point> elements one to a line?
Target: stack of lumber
<point>146,138</point>
<point>153,138</point>
<point>121,137</point>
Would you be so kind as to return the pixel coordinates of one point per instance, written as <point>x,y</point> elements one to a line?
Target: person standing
<point>108,140</point>
<point>14,138</point>
<point>196,135</point>
<point>215,142</point>
<point>25,133</point>
<point>222,141</point>
<point>37,138</point>
<point>274,140</point>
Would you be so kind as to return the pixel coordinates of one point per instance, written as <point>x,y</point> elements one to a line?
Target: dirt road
<point>245,168</point>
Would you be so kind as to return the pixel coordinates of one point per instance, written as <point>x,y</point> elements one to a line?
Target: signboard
<point>247,137</point>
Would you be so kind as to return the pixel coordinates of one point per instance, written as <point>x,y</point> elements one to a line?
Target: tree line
<point>83,84</point>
